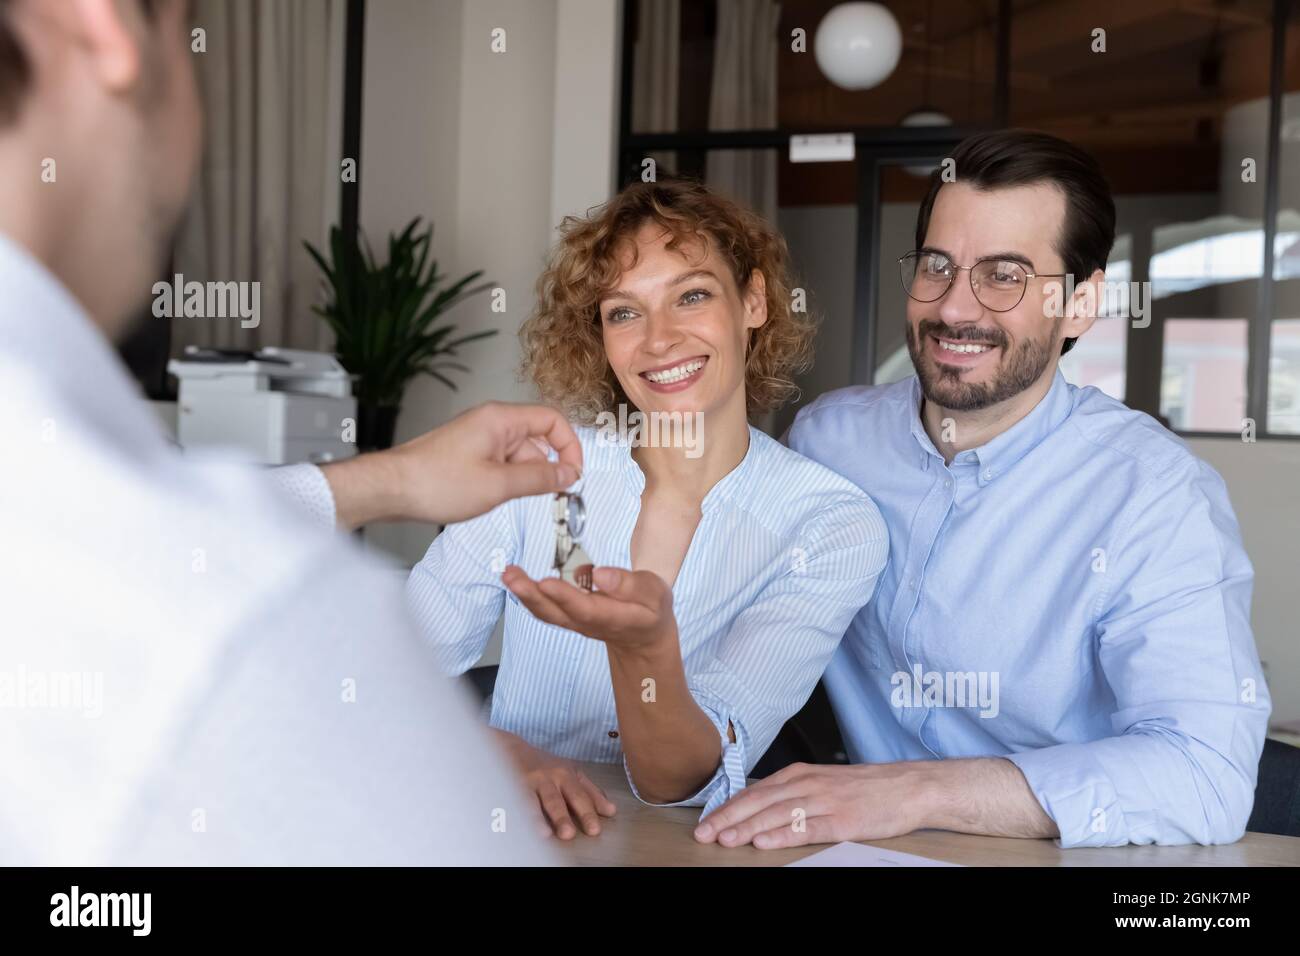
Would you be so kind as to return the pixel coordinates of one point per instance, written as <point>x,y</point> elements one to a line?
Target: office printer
<point>279,405</point>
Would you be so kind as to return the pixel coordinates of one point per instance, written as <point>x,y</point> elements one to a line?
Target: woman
<point>747,561</point>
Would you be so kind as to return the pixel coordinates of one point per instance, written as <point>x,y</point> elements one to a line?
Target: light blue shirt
<point>785,554</point>
<point>1072,595</point>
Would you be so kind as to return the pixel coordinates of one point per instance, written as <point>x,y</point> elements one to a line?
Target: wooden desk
<point>647,836</point>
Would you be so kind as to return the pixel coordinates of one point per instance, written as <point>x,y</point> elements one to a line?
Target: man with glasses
<point>1060,645</point>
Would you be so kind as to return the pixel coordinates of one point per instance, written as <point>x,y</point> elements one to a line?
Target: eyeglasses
<point>998,284</point>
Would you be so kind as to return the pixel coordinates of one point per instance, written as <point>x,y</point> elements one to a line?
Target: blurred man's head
<point>1025,211</point>
<point>99,141</point>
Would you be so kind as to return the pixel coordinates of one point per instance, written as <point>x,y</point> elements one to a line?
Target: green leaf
<point>385,316</point>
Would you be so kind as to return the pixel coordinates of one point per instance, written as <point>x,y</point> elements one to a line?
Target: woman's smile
<point>676,376</point>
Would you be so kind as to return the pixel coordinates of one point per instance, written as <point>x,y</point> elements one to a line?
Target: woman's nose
<point>662,331</point>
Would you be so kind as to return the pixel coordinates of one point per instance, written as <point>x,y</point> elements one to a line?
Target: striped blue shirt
<point>785,554</point>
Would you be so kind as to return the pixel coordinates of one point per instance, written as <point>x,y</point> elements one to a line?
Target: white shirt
<point>191,670</point>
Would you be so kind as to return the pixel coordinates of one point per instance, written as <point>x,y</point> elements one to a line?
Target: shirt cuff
<point>1075,791</point>
<point>310,490</point>
<point>729,779</point>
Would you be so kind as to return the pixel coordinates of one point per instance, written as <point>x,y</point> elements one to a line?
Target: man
<point>193,671</point>
<point>1060,644</point>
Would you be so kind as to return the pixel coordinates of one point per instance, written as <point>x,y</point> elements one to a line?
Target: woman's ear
<point>755,300</point>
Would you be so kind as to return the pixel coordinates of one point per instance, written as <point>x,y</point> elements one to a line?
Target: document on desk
<point>857,854</point>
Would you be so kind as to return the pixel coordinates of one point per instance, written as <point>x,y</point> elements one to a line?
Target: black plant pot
<point>375,426</point>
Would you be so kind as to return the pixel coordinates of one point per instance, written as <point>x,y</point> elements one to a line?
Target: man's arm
<point>804,803</point>
<point>1190,704</point>
<point>984,795</point>
<point>488,455</point>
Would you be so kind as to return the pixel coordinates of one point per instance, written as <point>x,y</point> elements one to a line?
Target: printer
<point>281,406</point>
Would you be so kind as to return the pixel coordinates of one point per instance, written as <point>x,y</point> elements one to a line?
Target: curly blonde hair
<point>563,349</point>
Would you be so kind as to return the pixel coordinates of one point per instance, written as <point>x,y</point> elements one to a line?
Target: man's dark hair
<point>1020,157</point>
<point>16,68</point>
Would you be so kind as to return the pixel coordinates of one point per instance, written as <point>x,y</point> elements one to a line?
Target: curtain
<point>655,72</point>
<point>272,86</point>
<point>744,97</point>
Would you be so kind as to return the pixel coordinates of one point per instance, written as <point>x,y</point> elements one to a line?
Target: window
<point>1190,108</point>
<point>1203,375</point>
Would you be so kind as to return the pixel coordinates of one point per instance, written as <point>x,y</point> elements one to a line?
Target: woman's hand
<point>670,744</point>
<point>630,611</point>
<point>563,791</point>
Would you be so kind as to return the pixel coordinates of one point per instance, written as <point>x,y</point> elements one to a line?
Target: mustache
<point>962,333</point>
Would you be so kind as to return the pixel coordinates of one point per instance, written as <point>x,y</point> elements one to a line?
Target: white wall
<point>1263,481</point>
<point>496,147</point>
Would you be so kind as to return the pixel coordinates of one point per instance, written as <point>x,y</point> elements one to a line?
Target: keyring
<point>571,561</point>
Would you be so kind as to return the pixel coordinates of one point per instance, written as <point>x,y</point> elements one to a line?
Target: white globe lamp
<point>858,45</point>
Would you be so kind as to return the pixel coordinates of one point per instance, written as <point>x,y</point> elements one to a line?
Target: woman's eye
<point>696,296</point>
<point>617,315</point>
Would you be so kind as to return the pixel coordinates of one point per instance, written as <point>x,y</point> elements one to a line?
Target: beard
<point>1017,370</point>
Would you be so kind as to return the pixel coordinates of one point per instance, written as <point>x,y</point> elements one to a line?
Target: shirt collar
<point>44,328</point>
<point>997,456</point>
<point>914,419</point>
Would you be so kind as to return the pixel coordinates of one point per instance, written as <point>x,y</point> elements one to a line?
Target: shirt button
<point>988,473</point>
<point>613,734</point>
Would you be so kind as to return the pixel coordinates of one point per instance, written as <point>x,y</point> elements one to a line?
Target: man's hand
<point>630,611</point>
<point>806,803</point>
<point>479,459</point>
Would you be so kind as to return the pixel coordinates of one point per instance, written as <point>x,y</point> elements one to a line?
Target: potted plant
<point>385,319</point>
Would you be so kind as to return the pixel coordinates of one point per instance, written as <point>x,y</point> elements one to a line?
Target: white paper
<point>857,854</point>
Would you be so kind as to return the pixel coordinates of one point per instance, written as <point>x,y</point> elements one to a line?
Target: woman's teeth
<point>676,373</point>
<point>952,347</point>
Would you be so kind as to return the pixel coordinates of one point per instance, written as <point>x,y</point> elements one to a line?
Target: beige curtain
<point>655,72</point>
<point>272,86</point>
<point>744,97</point>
